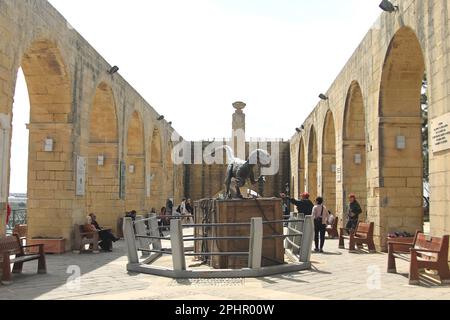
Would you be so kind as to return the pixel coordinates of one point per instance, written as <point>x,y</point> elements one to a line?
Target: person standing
<point>321,215</point>
<point>190,210</point>
<point>354,210</point>
<point>304,205</point>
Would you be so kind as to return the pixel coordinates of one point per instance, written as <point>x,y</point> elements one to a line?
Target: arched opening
<point>354,149</point>
<point>312,164</point>
<point>329,163</point>
<point>49,184</point>
<point>17,197</point>
<point>135,183</point>
<point>301,168</point>
<point>157,170</point>
<point>401,158</point>
<point>103,160</point>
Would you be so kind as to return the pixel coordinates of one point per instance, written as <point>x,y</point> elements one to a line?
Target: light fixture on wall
<point>160,118</point>
<point>323,97</point>
<point>101,160</point>
<point>131,168</point>
<point>387,6</point>
<point>48,145</point>
<point>400,142</point>
<point>298,130</point>
<point>113,70</point>
<point>358,158</point>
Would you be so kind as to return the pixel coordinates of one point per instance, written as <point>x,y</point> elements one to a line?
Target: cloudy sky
<point>192,59</point>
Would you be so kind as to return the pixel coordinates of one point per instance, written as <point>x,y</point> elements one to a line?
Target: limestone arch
<point>354,171</point>
<point>50,151</point>
<point>157,169</point>
<point>400,138</point>
<point>329,162</point>
<point>312,163</point>
<point>135,164</point>
<point>301,168</point>
<point>103,157</point>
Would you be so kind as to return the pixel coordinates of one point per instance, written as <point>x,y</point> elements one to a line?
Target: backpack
<point>179,209</point>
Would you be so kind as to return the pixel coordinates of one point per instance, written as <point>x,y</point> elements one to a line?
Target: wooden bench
<point>333,230</point>
<point>11,245</point>
<point>82,238</point>
<point>423,253</point>
<point>362,235</point>
<point>21,230</point>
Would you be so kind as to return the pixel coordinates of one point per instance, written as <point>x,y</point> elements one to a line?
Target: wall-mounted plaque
<point>440,133</point>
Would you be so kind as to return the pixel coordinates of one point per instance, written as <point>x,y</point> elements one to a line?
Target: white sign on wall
<point>339,174</point>
<point>81,176</point>
<point>440,133</point>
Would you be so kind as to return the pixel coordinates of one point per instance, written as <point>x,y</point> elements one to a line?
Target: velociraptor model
<point>240,170</point>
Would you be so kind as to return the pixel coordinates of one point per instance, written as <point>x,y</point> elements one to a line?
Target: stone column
<point>238,126</point>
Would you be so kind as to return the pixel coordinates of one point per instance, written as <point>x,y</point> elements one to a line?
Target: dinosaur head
<point>260,157</point>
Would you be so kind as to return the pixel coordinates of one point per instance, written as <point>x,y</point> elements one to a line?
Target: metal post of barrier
<point>300,225</point>
<point>256,241</point>
<point>176,238</point>
<point>141,230</point>
<point>287,244</point>
<point>130,241</point>
<point>307,239</point>
<point>154,232</point>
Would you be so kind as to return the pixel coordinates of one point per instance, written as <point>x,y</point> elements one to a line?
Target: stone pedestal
<point>239,211</point>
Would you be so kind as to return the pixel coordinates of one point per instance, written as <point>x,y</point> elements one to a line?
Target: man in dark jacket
<point>354,210</point>
<point>304,205</point>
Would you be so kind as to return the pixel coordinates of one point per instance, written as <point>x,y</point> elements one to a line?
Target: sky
<point>192,59</point>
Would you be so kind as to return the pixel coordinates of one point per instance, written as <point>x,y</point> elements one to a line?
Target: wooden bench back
<point>365,229</point>
<point>11,243</point>
<point>433,243</point>
<point>21,230</point>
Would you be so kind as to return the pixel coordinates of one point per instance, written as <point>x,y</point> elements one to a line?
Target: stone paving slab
<point>335,275</point>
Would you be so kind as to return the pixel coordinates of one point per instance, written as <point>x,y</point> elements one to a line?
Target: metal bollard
<point>176,239</point>
<point>307,239</point>
<point>130,241</point>
<point>256,242</point>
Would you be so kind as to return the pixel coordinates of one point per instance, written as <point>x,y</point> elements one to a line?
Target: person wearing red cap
<point>304,205</point>
<point>354,210</point>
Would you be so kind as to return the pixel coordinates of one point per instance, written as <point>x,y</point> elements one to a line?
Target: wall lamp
<point>387,6</point>
<point>323,97</point>
<point>160,118</point>
<point>113,70</point>
<point>298,130</point>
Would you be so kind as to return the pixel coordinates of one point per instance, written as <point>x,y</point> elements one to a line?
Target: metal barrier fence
<point>298,237</point>
<point>18,217</point>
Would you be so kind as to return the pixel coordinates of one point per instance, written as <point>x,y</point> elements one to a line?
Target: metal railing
<point>298,239</point>
<point>18,217</point>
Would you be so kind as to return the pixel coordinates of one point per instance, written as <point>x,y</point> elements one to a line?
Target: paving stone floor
<point>336,274</point>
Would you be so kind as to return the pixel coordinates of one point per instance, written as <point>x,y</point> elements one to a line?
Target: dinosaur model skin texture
<point>239,171</point>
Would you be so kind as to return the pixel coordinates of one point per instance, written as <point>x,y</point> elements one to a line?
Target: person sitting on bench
<point>106,236</point>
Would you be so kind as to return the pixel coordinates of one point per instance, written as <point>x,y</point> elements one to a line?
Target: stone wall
<point>375,100</point>
<point>89,115</point>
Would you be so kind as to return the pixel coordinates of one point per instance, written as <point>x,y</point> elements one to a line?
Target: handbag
<point>320,219</point>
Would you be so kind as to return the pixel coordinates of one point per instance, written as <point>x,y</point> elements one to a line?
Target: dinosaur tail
<point>229,151</point>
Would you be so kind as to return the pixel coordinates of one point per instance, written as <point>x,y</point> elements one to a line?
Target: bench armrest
<point>33,245</point>
<point>400,243</point>
<point>88,233</point>
<point>425,250</point>
<point>11,252</point>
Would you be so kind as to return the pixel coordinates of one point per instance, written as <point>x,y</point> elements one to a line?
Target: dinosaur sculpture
<point>240,170</point>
